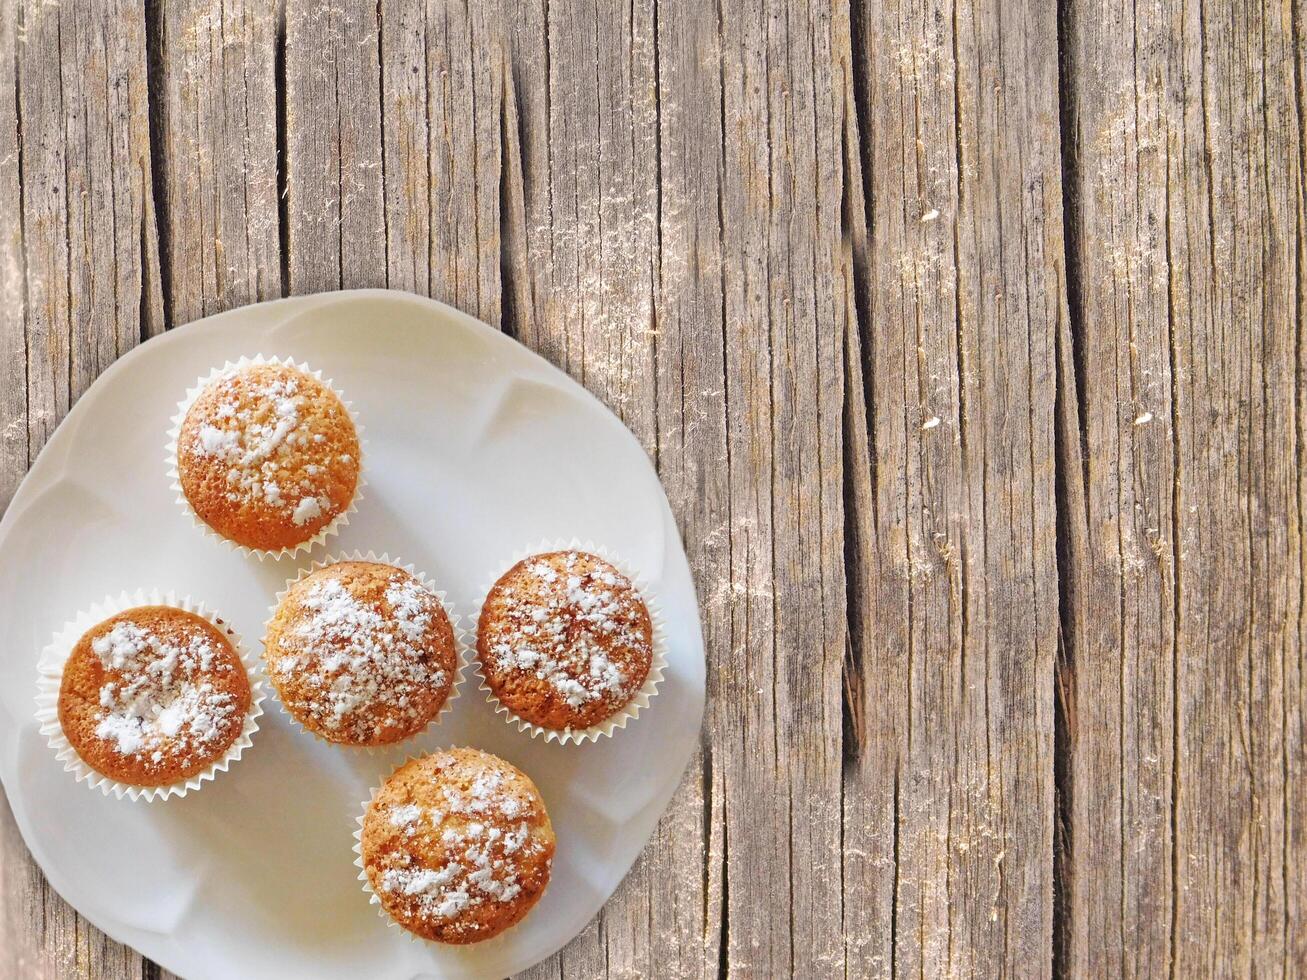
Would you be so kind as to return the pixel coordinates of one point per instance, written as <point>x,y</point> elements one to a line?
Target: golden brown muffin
<point>267,456</point>
<point>564,640</point>
<point>153,695</point>
<point>361,653</point>
<point>457,845</point>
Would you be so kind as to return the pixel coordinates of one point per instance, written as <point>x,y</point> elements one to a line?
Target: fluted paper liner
<point>50,676</point>
<point>455,622</point>
<point>184,406</point>
<point>639,701</point>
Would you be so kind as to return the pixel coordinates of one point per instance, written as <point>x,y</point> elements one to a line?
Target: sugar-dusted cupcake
<point>267,455</point>
<point>361,652</point>
<point>456,847</point>
<point>565,641</point>
<point>153,696</point>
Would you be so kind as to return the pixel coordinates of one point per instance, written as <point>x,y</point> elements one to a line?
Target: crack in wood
<point>154,68</point>
<point>283,163</point>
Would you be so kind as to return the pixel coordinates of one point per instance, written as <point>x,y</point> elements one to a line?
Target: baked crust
<point>361,653</point>
<point>564,640</point>
<point>268,456</point>
<point>457,845</point>
<point>153,695</point>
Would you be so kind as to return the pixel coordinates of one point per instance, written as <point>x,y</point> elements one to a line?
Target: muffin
<point>361,653</point>
<point>564,640</point>
<point>456,846</point>
<point>152,696</point>
<point>267,456</point>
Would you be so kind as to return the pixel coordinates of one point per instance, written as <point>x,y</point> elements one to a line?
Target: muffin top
<point>267,456</point>
<point>564,640</point>
<point>361,653</point>
<point>457,845</point>
<point>153,695</point>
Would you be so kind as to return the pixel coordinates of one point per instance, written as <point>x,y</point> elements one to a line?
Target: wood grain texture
<point>684,866</point>
<point>994,503</point>
<point>1119,469</point>
<point>588,266</point>
<point>20,883</point>
<point>776,706</point>
<point>14,448</point>
<point>1186,847</point>
<point>950,823</point>
<point>335,215</point>
<point>442,85</point>
<point>215,147</point>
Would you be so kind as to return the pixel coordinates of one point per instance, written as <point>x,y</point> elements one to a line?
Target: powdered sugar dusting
<point>308,509</point>
<point>364,665</point>
<point>257,427</point>
<point>406,817</point>
<point>573,621</point>
<point>163,702</point>
<point>467,853</point>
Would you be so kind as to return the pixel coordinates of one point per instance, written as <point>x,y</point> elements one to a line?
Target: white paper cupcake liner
<point>332,527</point>
<point>50,676</point>
<point>639,701</point>
<point>461,655</point>
<point>375,899</point>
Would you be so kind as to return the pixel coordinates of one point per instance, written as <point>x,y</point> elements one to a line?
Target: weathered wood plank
<point>597,200</point>
<point>113,285</point>
<point>1186,842</point>
<point>393,124</point>
<point>961,292</point>
<point>442,88</point>
<point>776,714</point>
<point>1240,554</point>
<point>86,290</point>
<point>216,153</point>
<point>18,950</point>
<point>14,453</point>
<point>1117,466</point>
<point>82,136</point>
<point>335,210</point>
<point>1294,682</point>
<point>684,863</point>
<point>589,162</point>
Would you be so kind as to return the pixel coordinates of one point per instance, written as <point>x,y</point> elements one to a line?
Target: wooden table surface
<point>967,337</point>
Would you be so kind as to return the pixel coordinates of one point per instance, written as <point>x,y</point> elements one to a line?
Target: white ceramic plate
<point>476,447</point>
